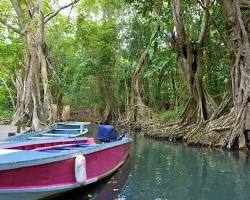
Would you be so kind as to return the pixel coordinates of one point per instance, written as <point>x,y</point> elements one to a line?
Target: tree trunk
<point>238,28</point>
<point>139,108</point>
<point>19,84</point>
<point>189,57</point>
<point>31,106</point>
<point>35,105</point>
<point>43,62</point>
<point>198,107</point>
<point>158,100</point>
<point>127,110</point>
<point>111,107</point>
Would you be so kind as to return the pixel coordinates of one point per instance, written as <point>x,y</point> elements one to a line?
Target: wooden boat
<point>65,129</point>
<point>37,169</point>
<point>72,125</point>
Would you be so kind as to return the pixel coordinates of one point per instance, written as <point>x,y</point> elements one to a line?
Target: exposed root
<point>209,133</point>
<point>236,132</point>
<point>223,109</point>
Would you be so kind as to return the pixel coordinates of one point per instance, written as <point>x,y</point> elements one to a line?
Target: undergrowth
<point>170,114</point>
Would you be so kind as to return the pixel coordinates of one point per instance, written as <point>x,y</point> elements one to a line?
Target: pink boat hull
<point>39,181</point>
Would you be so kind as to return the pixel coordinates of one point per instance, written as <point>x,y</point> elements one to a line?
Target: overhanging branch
<point>159,19</point>
<point>8,25</point>
<point>50,16</point>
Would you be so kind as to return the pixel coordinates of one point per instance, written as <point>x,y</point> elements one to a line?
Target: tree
<point>35,105</point>
<point>237,19</point>
<point>98,43</point>
<point>189,52</point>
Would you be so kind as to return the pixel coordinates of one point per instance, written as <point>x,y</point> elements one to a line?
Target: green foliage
<point>5,105</point>
<point>217,67</point>
<point>170,114</point>
<point>11,61</point>
<point>6,114</point>
<point>99,48</point>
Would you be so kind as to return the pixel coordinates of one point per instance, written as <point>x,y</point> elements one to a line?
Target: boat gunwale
<point>33,135</point>
<point>32,142</point>
<point>63,156</point>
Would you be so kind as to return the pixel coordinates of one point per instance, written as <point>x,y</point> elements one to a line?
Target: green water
<point>165,171</point>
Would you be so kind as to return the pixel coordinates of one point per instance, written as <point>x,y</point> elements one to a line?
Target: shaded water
<point>160,170</point>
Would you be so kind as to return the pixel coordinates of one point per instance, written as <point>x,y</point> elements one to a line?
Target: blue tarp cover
<point>106,133</point>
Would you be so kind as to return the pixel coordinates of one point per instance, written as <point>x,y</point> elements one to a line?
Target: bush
<point>5,114</point>
<point>170,114</point>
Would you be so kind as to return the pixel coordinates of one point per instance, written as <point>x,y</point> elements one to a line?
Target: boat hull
<point>57,176</point>
<point>32,194</point>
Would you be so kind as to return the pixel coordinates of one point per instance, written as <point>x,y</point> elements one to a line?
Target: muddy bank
<point>185,135</point>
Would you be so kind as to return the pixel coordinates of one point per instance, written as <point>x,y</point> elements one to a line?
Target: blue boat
<point>58,130</point>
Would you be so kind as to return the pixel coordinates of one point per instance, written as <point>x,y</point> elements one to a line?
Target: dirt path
<point>6,129</point>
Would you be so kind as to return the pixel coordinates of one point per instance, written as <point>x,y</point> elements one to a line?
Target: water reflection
<point>160,170</point>
<point>108,188</point>
<point>163,170</point>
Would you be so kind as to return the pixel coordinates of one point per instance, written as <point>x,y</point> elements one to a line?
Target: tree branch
<point>242,26</point>
<point>204,27</point>
<point>18,9</point>
<point>170,37</point>
<point>50,16</point>
<point>178,21</point>
<point>4,22</point>
<point>144,55</point>
<point>159,19</point>
<point>201,4</point>
<point>142,61</point>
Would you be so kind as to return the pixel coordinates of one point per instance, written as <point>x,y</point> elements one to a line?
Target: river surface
<point>159,170</point>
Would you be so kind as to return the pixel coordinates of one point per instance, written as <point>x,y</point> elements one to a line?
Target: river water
<point>159,170</point>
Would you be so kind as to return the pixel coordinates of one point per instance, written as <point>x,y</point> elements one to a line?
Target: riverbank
<point>8,130</point>
<point>191,135</point>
